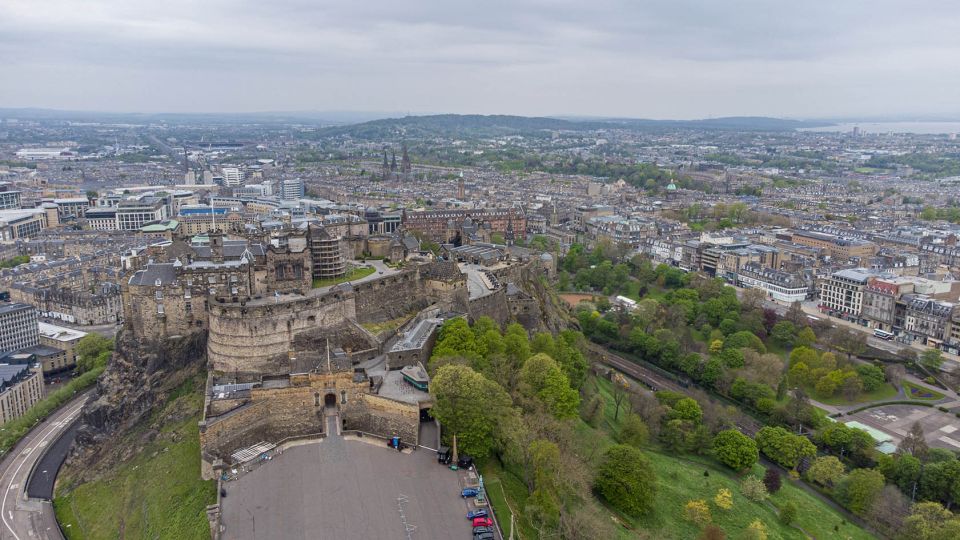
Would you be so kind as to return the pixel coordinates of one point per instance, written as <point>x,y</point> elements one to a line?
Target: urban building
<point>23,223</point>
<point>842,292</point>
<point>20,388</point>
<point>18,327</point>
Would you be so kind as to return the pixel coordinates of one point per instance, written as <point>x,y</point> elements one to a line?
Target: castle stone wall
<point>245,338</point>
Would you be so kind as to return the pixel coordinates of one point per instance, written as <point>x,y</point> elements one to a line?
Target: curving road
<point>24,518</point>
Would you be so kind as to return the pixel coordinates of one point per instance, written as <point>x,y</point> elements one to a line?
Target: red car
<point>482,522</point>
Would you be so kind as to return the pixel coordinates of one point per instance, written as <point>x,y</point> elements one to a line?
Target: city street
<point>24,518</point>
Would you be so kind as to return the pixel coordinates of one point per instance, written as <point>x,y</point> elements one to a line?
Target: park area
<point>680,479</point>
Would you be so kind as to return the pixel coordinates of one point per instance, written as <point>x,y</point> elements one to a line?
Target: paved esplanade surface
<point>24,519</point>
<point>346,489</point>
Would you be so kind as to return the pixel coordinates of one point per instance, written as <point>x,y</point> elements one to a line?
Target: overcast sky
<point>636,58</point>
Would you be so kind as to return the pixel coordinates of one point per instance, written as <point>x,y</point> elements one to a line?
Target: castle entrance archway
<point>330,400</point>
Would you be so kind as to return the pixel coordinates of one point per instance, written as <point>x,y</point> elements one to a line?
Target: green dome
<point>672,187</point>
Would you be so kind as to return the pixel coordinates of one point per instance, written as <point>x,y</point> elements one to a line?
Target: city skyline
<point>660,60</point>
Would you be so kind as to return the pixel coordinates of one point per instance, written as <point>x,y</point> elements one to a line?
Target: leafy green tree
<point>93,350</point>
<point>784,447</point>
<point>744,339</point>
<point>735,450</point>
<point>626,480</point>
<point>871,376</point>
<point>805,337</point>
<point>931,359</point>
<point>687,409</point>
<point>634,431</point>
<point>931,521</point>
<point>542,378</point>
<point>860,488</point>
<point>469,406</point>
<point>826,471</point>
<point>784,332</point>
<point>456,339</point>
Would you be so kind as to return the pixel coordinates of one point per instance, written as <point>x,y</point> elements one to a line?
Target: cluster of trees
<point>950,213</point>
<point>93,351</point>
<point>504,393</point>
<point>828,375</point>
<point>15,261</point>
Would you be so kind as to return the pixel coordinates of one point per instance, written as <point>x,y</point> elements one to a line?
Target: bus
<point>882,334</point>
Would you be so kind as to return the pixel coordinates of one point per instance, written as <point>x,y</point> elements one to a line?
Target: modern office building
<point>291,189</point>
<point>23,223</point>
<point>133,213</point>
<point>232,177</point>
<point>18,327</point>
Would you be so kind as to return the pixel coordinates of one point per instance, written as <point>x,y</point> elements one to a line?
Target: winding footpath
<point>23,518</point>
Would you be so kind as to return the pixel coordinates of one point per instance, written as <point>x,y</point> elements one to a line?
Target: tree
<point>469,406</point>
<point>542,378</point>
<point>860,489</point>
<point>772,480</point>
<point>915,443</point>
<point>785,332</point>
<point>931,359</point>
<point>872,377</point>
<point>805,337</point>
<point>687,409</point>
<point>827,471</point>
<point>697,512</point>
<point>723,499</point>
<point>93,350</point>
<point>626,480</point>
<point>619,394</point>
<point>931,521</point>
<point>784,447</point>
<point>753,489</point>
<point>735,450</point>
<point>633,431</point>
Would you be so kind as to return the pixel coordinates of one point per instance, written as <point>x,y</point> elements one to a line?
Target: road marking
<point>50,430</point>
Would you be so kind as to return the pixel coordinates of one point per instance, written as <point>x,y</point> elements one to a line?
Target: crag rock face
<point>140,375</point>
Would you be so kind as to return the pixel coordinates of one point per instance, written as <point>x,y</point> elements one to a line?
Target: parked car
<point>469,492</point>
<point>465,462</point>
<point>483,533</point>
<point>482,522</point>
<point>444,455</point>
<point>480,512</point>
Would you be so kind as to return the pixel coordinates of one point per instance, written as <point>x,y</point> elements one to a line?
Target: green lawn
<point>355,273</point>
<point>157,493</point>
<point>914,391</point>
<point>887,391</point>
<point>501,486</point>
<point>681,478</point>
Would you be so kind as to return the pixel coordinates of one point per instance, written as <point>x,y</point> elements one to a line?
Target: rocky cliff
<point>140,376</point>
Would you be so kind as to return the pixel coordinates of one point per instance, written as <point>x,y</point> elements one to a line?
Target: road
<point>24,518</point>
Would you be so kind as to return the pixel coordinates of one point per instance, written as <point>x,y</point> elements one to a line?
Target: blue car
<point>481,512</point>
<point>469,492</point>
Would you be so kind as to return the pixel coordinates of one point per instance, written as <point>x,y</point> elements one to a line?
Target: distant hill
<point>457,125</point>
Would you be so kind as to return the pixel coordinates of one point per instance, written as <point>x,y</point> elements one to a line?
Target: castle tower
<point>393,161</point>
<point>386,165</point>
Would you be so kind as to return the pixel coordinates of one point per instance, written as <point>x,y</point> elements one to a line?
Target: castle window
<point>159,309</point>
<point>343,397</point>
<point>159,295</point>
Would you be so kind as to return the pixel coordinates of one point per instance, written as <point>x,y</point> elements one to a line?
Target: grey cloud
<point>653,58</point>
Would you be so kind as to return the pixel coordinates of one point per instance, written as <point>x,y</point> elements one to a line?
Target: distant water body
<point>920,128</point>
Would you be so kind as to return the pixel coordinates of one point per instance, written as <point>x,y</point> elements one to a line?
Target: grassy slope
<point>681,479</point>
<point>157,494</point>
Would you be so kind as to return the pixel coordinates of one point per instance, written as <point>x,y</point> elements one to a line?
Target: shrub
<point>771,480</point>
<point>723,499</point>
<point>756,530</point>
<point>735,450</point>
<point>753,489</point>
<point>788,513</point>
<point>698,512</point>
